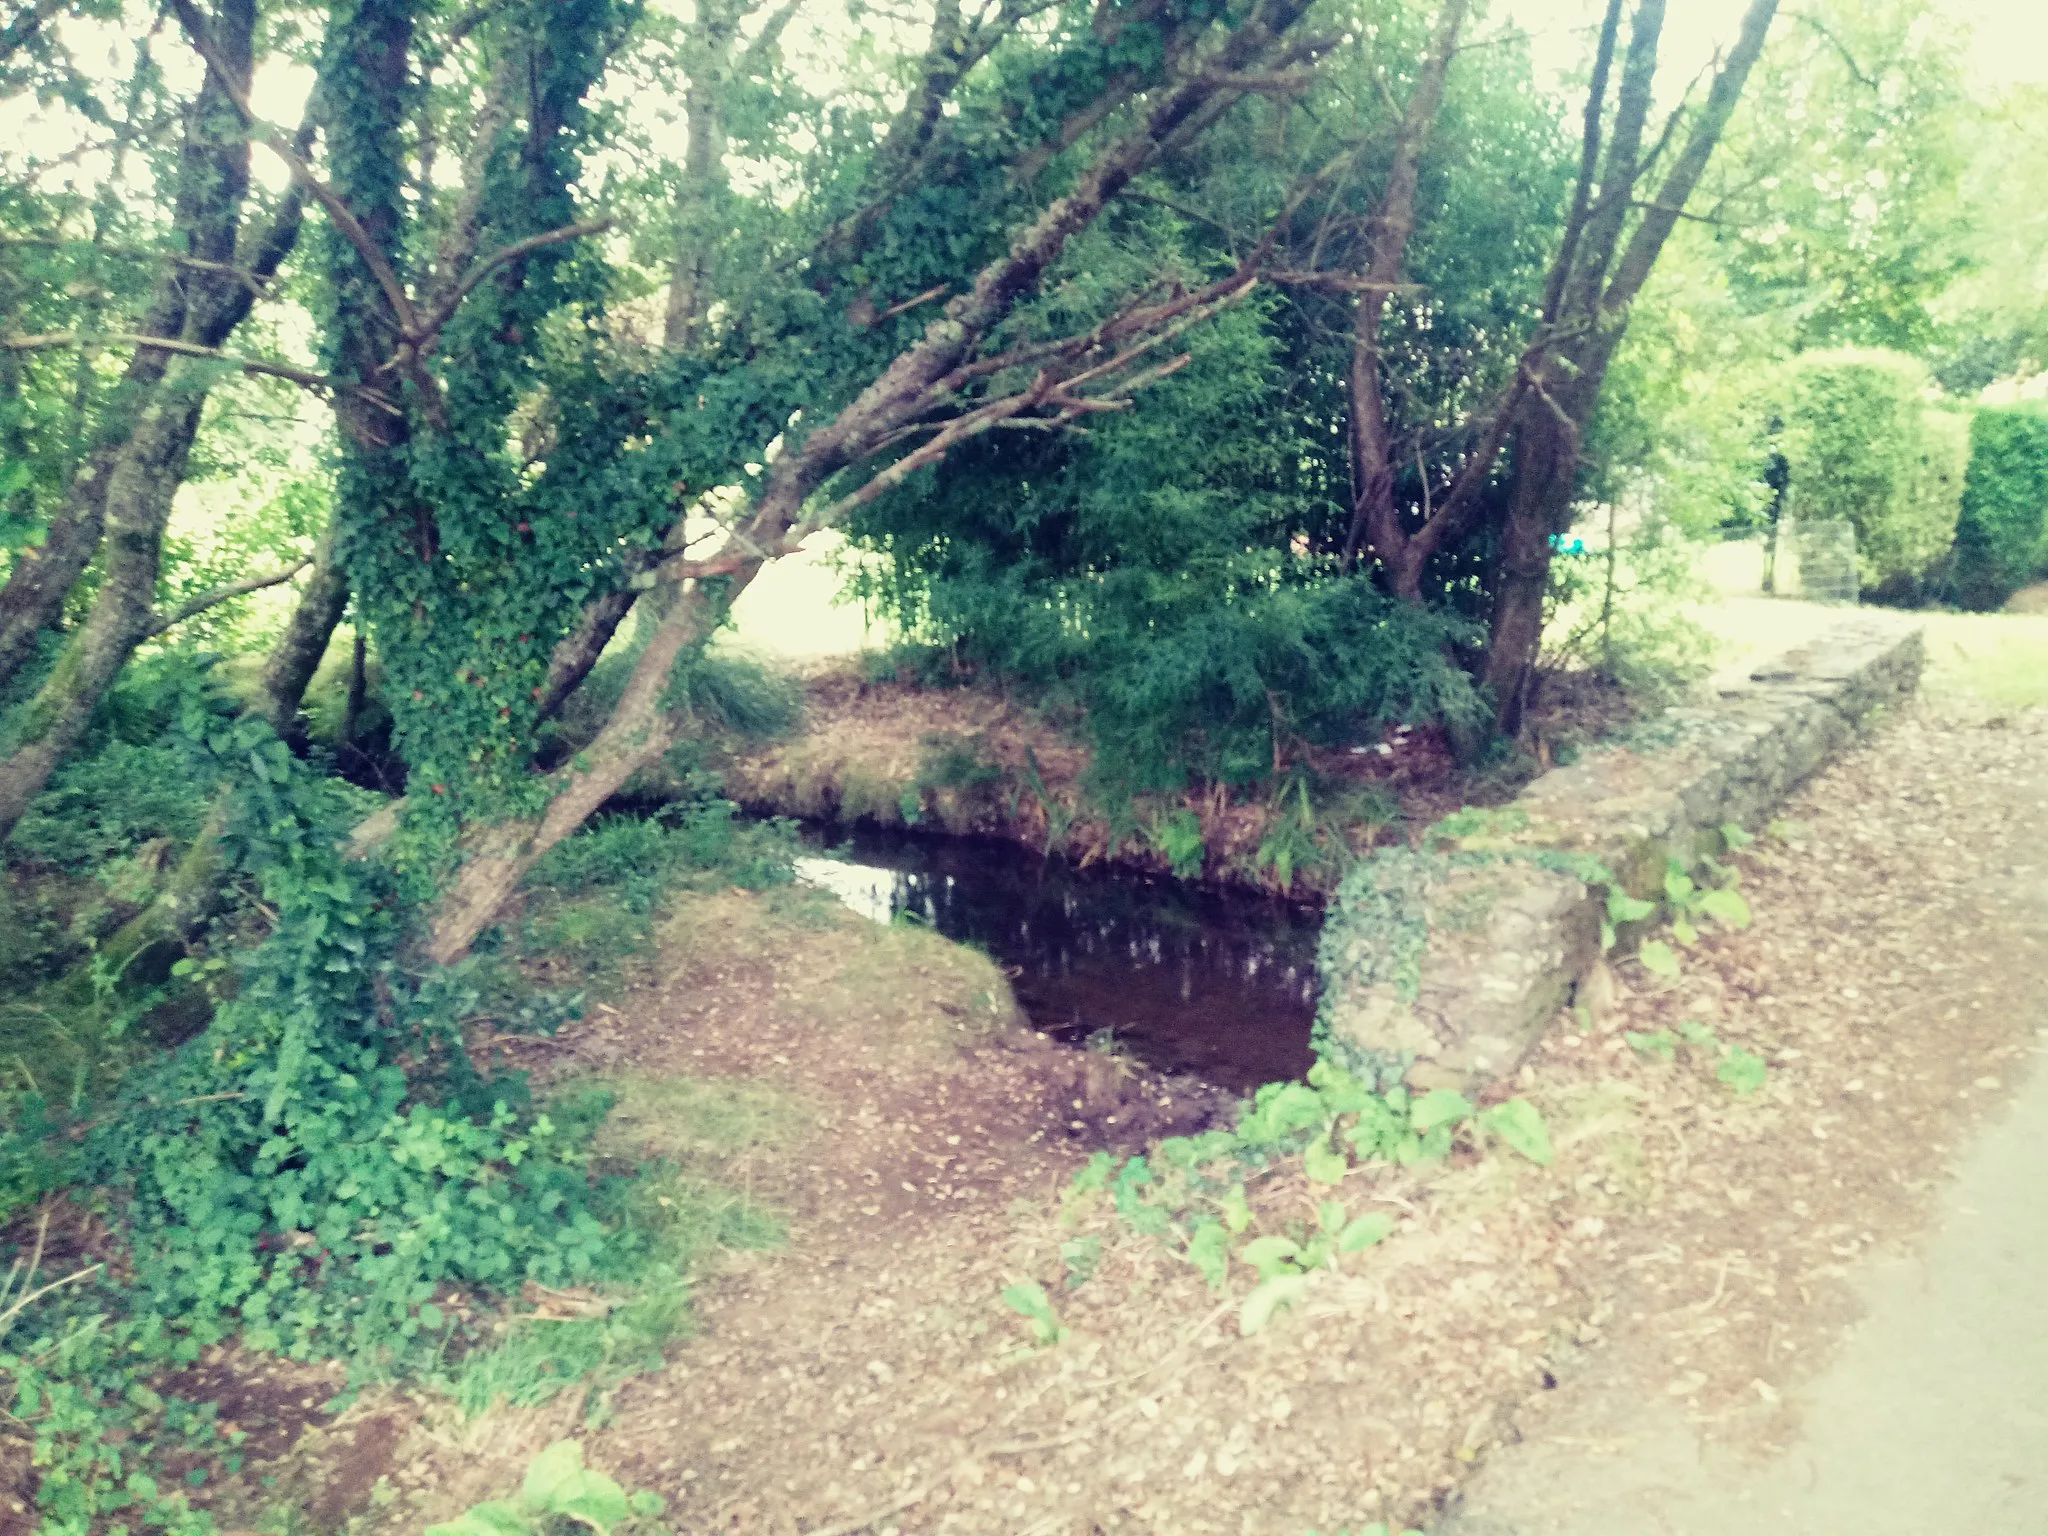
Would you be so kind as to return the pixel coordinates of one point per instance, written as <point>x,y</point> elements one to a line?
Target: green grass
<point>1995,659</point>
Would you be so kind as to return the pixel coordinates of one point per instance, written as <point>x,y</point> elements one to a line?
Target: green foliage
<point>1741,1069</point>
<point>1028,1300</point>
<point>1865,446</point>
<point>1840,213</point>
<point>558,1492</point>
<point>1190,1190</point>
<point>2002,538</point>
<point>1172,608</point>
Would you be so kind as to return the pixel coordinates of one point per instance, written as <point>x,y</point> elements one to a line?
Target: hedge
<point>2002,539</point>
<point>1865,443</point>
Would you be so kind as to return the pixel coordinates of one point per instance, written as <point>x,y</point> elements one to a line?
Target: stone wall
<point>1455,955</point>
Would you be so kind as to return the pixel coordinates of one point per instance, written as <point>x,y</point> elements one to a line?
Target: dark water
<point>1219,985</point>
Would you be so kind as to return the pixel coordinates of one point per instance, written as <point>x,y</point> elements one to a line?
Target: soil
<point>1699,1245</point>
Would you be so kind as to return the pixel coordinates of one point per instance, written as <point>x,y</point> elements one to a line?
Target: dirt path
<point>1934,1416</point>
<point>1691,1248</point>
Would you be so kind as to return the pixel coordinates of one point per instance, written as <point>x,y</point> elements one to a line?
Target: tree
<point>222,256</point>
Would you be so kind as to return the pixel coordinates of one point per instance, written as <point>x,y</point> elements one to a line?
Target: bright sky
<point>2008,38</point>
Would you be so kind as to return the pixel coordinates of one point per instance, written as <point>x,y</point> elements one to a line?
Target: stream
<point>1220,985</point>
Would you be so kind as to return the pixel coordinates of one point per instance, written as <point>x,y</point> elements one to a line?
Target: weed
<point>1178,837</point>
<point>1028,1300</point>
<point>1191,1189</point>
<point>558,1494</point>
<point>1741,1069</point>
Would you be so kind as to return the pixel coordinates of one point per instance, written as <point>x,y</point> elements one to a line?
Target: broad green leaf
<point>647,1503</point>
<point>1323,1163</point>
<point>1268,1298</point>
<point>1725,906</point>
<point>1440,1106</point>
<point>599,1503</point>
<point>1678,886</point>
<point>1520,1125</point>
<point>1684,931</point>
<point>497,1518</point>
<point>1271,1255</point>
<point>1370,1228</point>
<point>1658,959</point>
<point>1209,1252</point>
<point>1624,908</point>
<point>1734,836</point>
<point>552,1471</point>
<point>1330,1215</point>
<point>1027,1298</point>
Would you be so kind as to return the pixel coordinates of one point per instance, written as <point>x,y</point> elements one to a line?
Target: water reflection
<point>1223,986</point>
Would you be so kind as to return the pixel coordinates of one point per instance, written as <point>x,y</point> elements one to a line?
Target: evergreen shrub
<point>2002,538</point>
<point>1865,443</point>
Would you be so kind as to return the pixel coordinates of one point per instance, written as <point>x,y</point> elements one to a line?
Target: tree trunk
<point>1546,465</point>
<point>41,578</point>
<point>704,180</point>
<point>1375,520</point>
<point>639,731</point>
<point>139,495</point>
<point>299,650</point>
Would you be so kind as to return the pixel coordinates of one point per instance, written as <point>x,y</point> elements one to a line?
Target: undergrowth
<point>322,1171</point>
<point>1191,1191</point>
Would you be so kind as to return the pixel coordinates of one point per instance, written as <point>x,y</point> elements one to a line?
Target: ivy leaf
<point>1726,906</point>
<point>599,1503</point>
<point>1270,1297</point>
<point>1659,960</point>
<point>1369,1229</point>
<point>1323,1163</point>
<point>1520,1125</point>
<point>1209,1252</point>
<point>1440,1106</point>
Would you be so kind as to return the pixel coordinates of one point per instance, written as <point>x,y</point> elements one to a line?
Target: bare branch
<point>193,607</point>
<point>256,280</point>
<point>936,292</point>
<point>351,228</point>
<point>52,339</point>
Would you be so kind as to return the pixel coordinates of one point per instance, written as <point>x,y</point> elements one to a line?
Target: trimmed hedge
<point>1866,444</point>
<point>2002,539</point>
